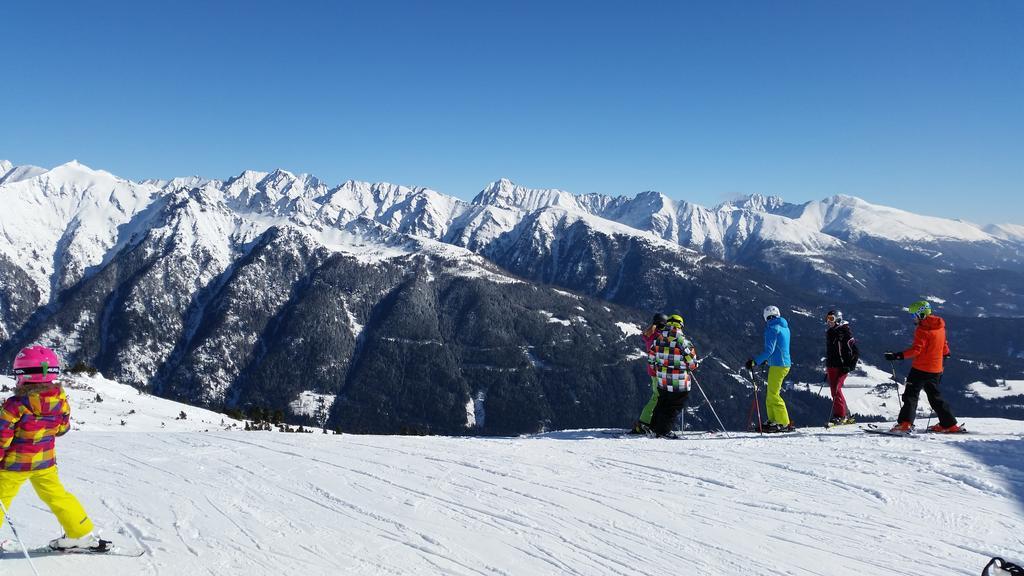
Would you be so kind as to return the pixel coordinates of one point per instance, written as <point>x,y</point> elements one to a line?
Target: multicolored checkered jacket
<point>673,356</point>
<point>29,422</point>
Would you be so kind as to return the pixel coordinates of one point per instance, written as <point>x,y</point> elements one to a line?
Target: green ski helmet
<point>920,309</point>
<point>676,320</point>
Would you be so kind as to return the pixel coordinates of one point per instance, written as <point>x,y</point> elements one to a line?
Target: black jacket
<point>841,347</point>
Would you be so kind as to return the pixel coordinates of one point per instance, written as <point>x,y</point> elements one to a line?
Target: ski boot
<point>90,542</point>
<point>641,429</point>
<point>1000,567</point>
<point>902,428</point>
<point>954,429</point>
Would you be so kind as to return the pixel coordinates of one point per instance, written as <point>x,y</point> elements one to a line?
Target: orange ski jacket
<point>929,345</point>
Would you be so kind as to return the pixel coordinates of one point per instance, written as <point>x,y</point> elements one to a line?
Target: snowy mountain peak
<point>655,200</point>
<point>851,218</point>
<point>248,178</point>
<point>177,183</point>
<point>79,176</point>
<point>5,167</point>
<point>1012,232</point>
<point>284,180</point>
<point>76,166</point>
<point>753,203</point>
<point>504,193</point>
<point>19,173</point>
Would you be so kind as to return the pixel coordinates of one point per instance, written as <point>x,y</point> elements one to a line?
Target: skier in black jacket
<point>841,356</point>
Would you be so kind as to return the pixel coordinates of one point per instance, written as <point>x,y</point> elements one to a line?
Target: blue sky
<point>913,104</point>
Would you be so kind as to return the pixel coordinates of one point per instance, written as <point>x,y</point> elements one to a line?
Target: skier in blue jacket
<point>776,354</point>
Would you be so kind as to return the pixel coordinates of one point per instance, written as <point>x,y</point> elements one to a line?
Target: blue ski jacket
<point>776,344</point>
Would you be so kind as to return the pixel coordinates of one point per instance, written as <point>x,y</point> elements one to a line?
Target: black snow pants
<point>929,382</point>
<point>669,405</point>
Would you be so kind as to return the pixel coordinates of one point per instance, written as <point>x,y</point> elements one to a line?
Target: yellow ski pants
<point>63,504</point>
<point>774,403</point>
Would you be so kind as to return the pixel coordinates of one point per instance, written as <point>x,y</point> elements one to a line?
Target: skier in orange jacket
<point>928,351</point>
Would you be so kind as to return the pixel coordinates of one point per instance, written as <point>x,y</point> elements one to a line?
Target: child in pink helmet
<point>29,422</point>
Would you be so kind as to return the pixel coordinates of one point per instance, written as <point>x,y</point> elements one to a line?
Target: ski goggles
<point>829,318</point>
<point>32,370</point>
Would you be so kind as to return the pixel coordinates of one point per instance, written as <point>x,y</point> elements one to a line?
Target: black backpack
<point>1000,567</point>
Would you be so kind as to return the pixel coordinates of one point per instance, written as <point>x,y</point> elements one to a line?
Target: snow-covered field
<point>1002,389</point>
<point>819,502</point>
<point>98,404</point>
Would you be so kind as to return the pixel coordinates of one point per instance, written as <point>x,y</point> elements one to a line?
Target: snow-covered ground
<point>313,404</point>
<point>1002,389</point>
<point>629,328</point>
<point>99,404</point>
<point>834,503</point>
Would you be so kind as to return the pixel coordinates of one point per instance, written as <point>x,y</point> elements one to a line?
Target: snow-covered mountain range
<point>82,216</point>
<point>254,290</point>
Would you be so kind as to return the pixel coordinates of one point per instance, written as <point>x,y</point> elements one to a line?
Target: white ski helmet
<point>770,311</point>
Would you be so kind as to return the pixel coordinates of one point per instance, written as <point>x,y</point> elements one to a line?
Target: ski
<point>773,430</point>
<point>114,551</point>
<point>830,425</point>
<point>963,430</point>
<point>106,548</point>
<point>45,551</point>
<point>875,429</point>
<point>625,433</point>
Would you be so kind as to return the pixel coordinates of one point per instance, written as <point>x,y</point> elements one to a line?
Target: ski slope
<point>835,502</point>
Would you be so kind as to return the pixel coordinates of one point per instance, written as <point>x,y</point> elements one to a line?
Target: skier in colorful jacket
<point>30,420</point>
<point>673,357</point>
<point>649,335</point>
<point>776,354</point>
<point>928,350</point>
<point>841,356</point>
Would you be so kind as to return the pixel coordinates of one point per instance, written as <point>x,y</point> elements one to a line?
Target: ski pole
<point>831,413</point>
<point>896,381</point>
<point>757,404</point>
<point>682,413</point>
<point>18,538</point>
<point>822,387</point>
<point>708,400</point>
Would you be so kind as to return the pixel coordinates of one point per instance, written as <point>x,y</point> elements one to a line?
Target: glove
<point>750,364</point>
<point>947,357</point>
<point>890,356</point>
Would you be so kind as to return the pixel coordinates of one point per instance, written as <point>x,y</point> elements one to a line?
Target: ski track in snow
<point>816,503</point>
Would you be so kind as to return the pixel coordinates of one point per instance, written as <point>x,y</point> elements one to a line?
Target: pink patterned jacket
<point>29,422</point>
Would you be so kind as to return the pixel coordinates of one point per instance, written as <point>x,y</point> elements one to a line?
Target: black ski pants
<point>929,382</point>
<point>669,405</point>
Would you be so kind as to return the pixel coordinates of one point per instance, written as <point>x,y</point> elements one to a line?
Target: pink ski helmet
<point>36,364</point>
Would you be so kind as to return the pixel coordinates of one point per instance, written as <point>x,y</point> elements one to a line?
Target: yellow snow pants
<point>63,504</point>
<point>773,401</point>
<point>648,412</point>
